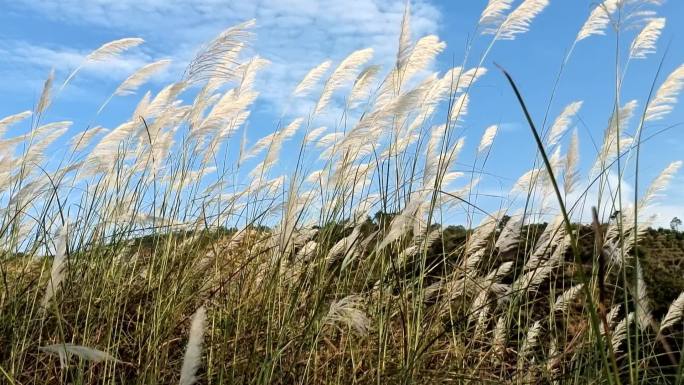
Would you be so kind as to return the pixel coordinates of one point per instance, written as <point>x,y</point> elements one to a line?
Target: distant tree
<point>675,223</point>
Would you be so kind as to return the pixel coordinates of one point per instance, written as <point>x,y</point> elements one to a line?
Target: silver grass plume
<point>347,312</point>
<point>193,351</point>
<point>404,38</point>
<point>526,180</point>
<point>610,136</point>
<point>481,235</point>
<point>45,100</point>
<point>487,138</point>
<point>422,54</point>
<point>459,109</point>
<point>314,134</point>
<point>519,20</point>
<point>135,80</point>
<point>456,81</point>
<point>217,60</point>
<point>531,341</point>
<point>599,19</point>
<point>571,176</point>
<point>674,314</point>
<point>659,183</point>
<point>500,272</point>
<point>139,77</point>
<point>58,266</point>
<point>500,333</point>
<point>620,332</point>
<point>362,84</point>
<point>642,302</point>
<point>509,237</point>
<point>666,96</point>
<point>494,14</point>
<point>163,100</point>
<point>106,52</point>
<point>109,146</point>
<point>611,318</point>
<point>345,246</point>
<point>142,105</point>
<point>566,298</point>
<point>478,312</point>
<point>403,222</point>
<point>83,139</point>
<point>345,71</point>
<point>12,119</point>
<point>562,122</point>
<point>645,42</point>
<point>113,49</point>
<point>311,78</point>
<point>66,350</point>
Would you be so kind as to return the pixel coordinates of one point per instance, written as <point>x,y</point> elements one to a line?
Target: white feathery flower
<point>83,139</point>
<point>531,340</point>
<point>45,99</point>
<point>645,42</point>
<point>12,119</point>
<point>599,19</point>
<point>114,48</point>
<point>311,78</point>
<point>106,52</point>
<point>666,96</point>
<point>135,80</point>
<point>362,83</point>
<point>571,175</point>
<point>642,302</point>
<point>345,71</point>
<point>193,350</point>
<point>66,350</point>
<point>487,138</point>
<point>494,14</point>
<point>566,298</point>
<point>519,20</point>
<point>58,266</point>
<point>404,38</point>
<point>348,312</point>
<point>674,313</point>
<point>659,183</point>
<point>620,332</point>
<point>562,122</point>
<point>216,61</point>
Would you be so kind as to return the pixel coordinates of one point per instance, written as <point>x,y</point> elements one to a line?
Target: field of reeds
<point>169,250</point>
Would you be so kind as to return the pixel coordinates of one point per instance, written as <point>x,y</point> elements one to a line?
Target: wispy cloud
<point>27,65</point>
<point>294,35</point>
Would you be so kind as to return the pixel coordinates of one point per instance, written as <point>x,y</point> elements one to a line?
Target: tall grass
<point>167,250</point>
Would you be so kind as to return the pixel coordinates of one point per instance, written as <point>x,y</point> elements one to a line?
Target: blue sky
<point>295,35</point>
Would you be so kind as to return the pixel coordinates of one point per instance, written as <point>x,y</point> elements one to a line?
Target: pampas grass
<point>327,249</point>
<point>345,71</point>
<point>106,52</point>
<point>674,314</point>
<point>519,20</point>
<point>666,96</point>
<point>57,271</point>
<point>599,19</point>
<point>645,42</point>
<point>311,78</point>
<point>193,351</point>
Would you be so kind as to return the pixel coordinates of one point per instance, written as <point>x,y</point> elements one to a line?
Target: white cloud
<point>28,65</point>
<point>65,59</point>
<point>294,35</point>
